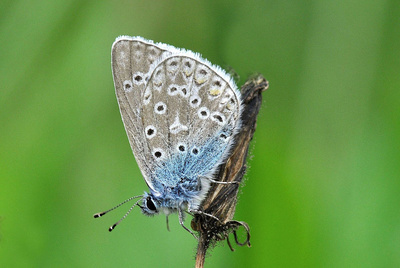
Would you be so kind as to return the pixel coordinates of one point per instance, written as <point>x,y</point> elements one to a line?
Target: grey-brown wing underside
<point>187,101</point>
<point>131,61</point>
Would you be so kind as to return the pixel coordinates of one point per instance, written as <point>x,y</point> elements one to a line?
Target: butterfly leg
<point>166,217</point>
<point>180,214</point>
<point>204,213</point>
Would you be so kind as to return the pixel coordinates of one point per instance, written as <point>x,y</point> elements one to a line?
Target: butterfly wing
<point>191,111</point>
<point>131,61</point>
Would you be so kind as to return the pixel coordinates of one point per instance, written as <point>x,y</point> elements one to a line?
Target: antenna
<point>100,214</point>
<point>112,227</point>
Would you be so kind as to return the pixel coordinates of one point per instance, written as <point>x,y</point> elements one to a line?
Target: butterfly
<point>180,113</point>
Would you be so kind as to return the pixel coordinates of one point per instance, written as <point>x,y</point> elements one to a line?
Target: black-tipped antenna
<point>112,227</point>
<point>98,215</point>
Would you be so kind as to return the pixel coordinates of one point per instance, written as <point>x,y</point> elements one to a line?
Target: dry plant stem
<point>221,200</point>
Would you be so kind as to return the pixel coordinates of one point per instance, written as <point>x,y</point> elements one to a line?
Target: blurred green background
<point>323,188</point>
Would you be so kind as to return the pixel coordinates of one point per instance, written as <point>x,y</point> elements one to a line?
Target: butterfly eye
<point>150,204</point>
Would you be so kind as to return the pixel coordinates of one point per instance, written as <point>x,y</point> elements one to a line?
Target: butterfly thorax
<point>175,192</point>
